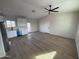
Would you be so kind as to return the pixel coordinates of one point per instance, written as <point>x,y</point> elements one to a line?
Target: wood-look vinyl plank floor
<point>37,43</point>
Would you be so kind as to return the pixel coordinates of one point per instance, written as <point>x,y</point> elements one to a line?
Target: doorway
<point>28,27</point>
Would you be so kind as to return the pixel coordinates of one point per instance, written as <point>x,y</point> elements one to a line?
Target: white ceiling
<point>25,7</point>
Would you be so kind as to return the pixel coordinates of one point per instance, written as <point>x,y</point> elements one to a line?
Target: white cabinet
<point>11,34</point>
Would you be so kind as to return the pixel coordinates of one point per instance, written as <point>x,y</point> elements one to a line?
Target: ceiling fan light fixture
<point>51,10</point>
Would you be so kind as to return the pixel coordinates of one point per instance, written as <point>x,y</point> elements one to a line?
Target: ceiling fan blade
<point>54,11</point>
<point>46,8</point>
<point>55,8</point>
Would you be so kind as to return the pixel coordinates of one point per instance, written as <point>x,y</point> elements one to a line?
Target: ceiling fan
<point>51,10</point>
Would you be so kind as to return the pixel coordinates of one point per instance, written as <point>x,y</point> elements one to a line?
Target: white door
<point>28,27</point>
<point>46,27</point>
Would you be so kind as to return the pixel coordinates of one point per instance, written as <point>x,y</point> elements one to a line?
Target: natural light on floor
<point>50,55</point>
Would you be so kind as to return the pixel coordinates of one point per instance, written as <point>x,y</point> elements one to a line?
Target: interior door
<point>28,27</point>
<point>45,26</point>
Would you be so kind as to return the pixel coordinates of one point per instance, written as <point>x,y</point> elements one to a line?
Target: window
<point>10,23</point>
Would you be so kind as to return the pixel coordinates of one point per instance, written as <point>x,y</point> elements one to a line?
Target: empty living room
<point>39,29</point>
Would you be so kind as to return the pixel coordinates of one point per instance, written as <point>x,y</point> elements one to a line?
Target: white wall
<point>34,25</point>
<point>2,51</point>
<point>62,24</point>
